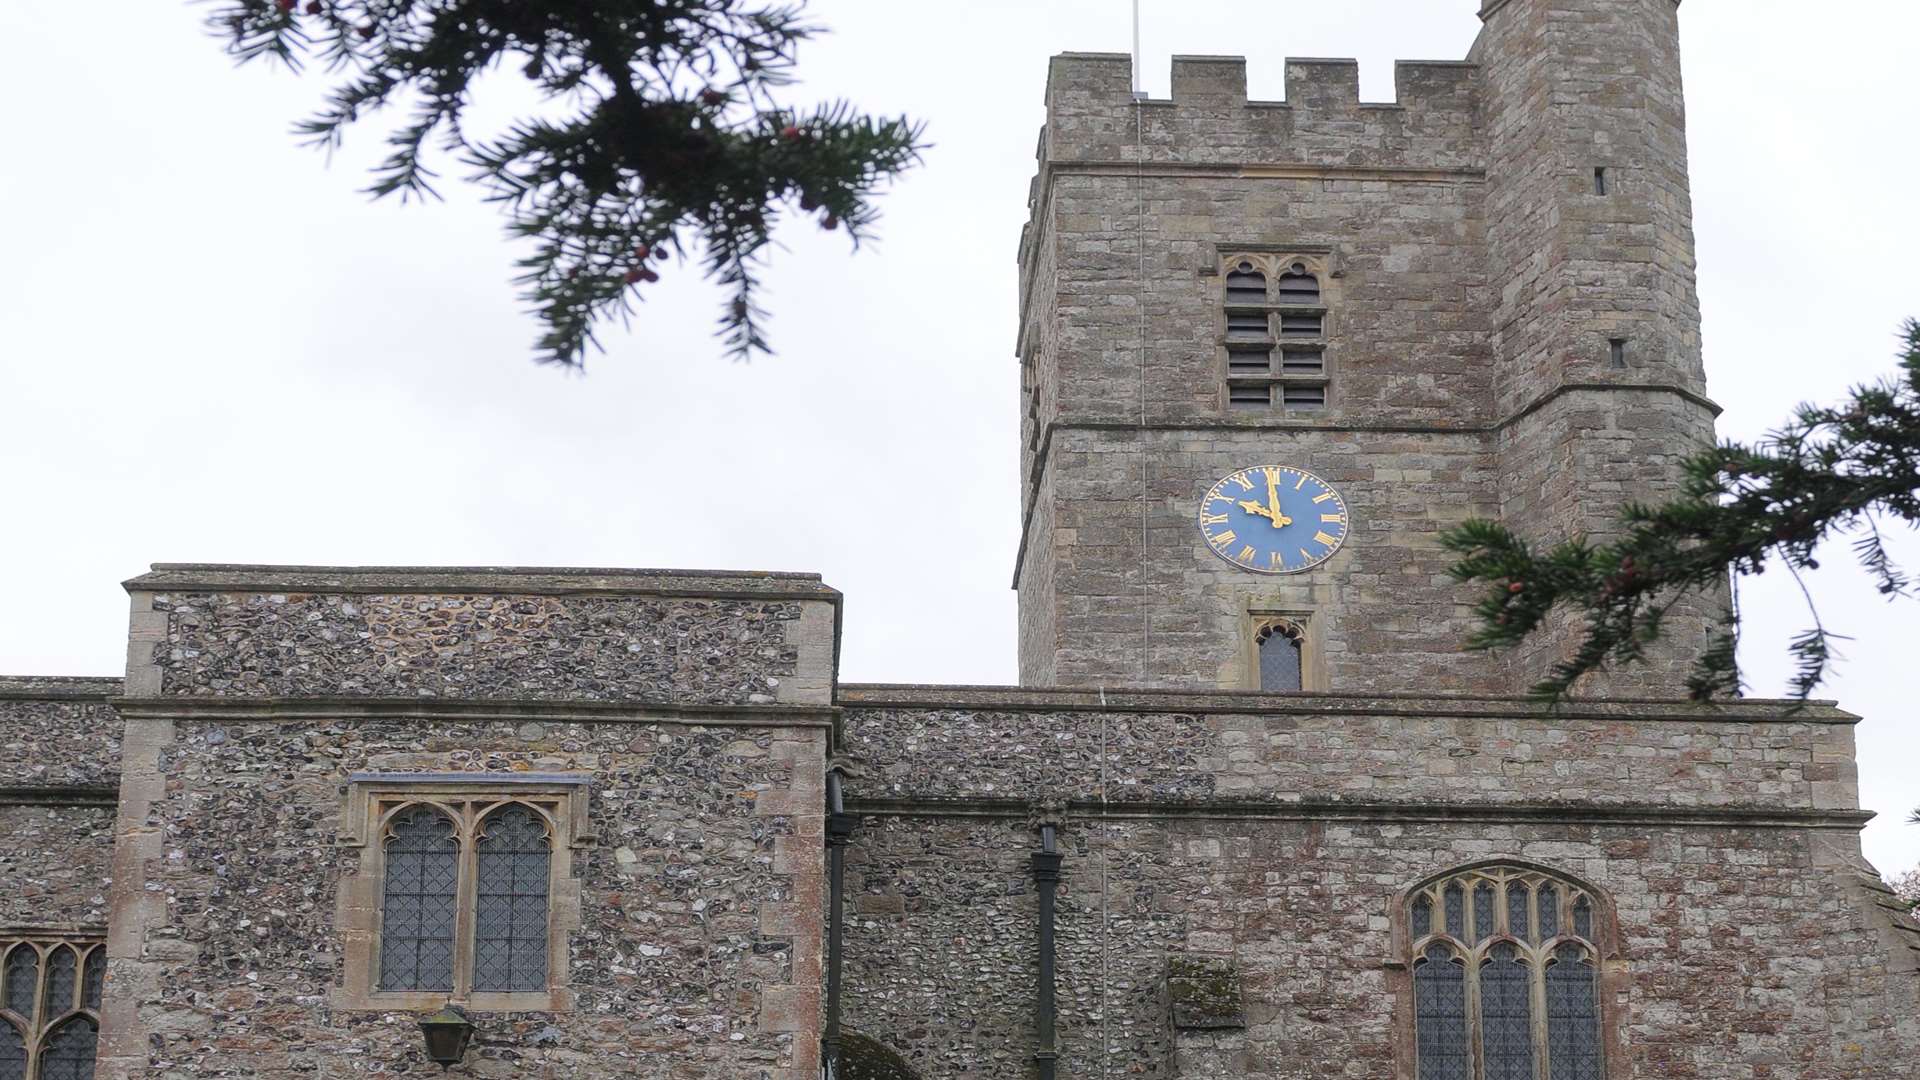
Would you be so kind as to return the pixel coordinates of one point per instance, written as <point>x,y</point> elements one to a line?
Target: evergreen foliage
<point>671,141</point>
<point>1828,472</point>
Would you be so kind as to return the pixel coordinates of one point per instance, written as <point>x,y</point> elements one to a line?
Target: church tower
<point>1271,351</point>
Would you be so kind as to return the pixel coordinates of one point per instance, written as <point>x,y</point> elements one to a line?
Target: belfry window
<point>50,1007</point>
<point>1279,649</point>
<point>1275,320</point>
<point>1505,977</point>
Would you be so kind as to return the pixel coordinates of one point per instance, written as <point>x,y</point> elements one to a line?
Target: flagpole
<point>1136,50</point>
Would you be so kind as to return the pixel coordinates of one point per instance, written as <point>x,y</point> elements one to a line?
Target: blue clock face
<point>1272,519</point>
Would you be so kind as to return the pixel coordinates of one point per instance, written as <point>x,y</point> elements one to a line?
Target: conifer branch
<point>675,140</point>
<point>1828,472</point>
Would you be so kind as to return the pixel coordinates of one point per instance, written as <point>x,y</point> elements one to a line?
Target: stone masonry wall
<point>1135,206</point>
<point>696,706</point>
<point>1272,836</point>
<point>697,900</point>
<point>59,766</point>
<point>468,646</point>
<point>1572,86</point>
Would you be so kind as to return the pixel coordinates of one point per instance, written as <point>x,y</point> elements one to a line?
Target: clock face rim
<point>1208,496</point>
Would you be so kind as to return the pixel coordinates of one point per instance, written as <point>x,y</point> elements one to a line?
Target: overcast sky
<point>214,348</point>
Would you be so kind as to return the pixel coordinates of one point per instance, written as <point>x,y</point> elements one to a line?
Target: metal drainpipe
<point>840,826</point>
<point>1046,877</point>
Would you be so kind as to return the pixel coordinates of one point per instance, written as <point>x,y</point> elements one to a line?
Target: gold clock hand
<point>1257,510</point>
<point>1280,520</point>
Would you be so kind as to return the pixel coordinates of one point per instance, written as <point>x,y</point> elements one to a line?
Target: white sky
<point>215,349</point>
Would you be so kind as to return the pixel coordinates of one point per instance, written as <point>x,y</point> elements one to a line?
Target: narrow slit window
<point>1304,397</point>
<point>1600,180</point>
<point>1245,285</point>
<point>1617,352</point>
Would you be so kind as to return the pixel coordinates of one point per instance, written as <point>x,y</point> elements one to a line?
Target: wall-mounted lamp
<point>447,1032</point>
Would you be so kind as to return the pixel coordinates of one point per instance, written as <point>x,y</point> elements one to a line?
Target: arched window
<point>50,1007</point>
<point>1280,655</point>
<point>70,1050</point>
<point>510,908</point>
<point>418,904</point>
<point>1275,340</point>
<point>466,897</point>
<point>1505,977</point>
<point>864,1058</point>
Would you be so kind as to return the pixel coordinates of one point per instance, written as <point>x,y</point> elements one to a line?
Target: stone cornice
<point>451,710</point>
<point>1623,814</point>
<point>102,795</point>
<point>503,580</point>
<point>1247,702</point>
<point>57,688</point>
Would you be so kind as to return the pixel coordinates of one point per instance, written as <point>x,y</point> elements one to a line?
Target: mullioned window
<point>1505,977</point>
<point>50,1007</point>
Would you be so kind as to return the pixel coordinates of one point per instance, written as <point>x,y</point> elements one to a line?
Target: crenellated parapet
<point>1093,117</point>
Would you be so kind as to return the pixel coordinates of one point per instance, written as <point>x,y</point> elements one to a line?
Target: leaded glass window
<point>1505,980</point>
<point>1573,1015</point>
<point>466,895</point>
<point>1280,654</point>
<point>50,1006</point>
<point>510,917</point>
<point>417,913</point>
<point>1440,1009</point>
<point>70,1050</point>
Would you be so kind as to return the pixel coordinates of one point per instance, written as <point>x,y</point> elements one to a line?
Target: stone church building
<point>1251,812</point>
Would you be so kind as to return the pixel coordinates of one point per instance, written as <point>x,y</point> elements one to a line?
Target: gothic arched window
<point>1280,654</point>
<point>50,1007</point>
<point>467,896</point>
<point>1275,340</point>
<point>510,906</point>
<point>1505,977</point>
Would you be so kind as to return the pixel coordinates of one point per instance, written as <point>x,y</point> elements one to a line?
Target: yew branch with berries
<point>673,146</point>
<point>1829,472</point>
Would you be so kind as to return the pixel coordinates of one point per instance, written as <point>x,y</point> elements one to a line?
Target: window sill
<point>553,1000</point>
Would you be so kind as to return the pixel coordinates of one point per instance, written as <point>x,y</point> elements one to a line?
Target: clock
<point>1273,519</point>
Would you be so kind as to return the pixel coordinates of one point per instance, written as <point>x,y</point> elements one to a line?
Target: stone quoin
<point>630,823</point>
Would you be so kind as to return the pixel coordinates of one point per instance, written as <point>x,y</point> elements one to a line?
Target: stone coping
<point>1317,809</point>
<point>506,580</point>
<point>58,687</point>
<point>1254,702</point>
<point>471,710</point>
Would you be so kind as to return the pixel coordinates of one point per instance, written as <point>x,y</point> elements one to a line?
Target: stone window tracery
<point>1505,977</point>
<point>1280,646</point>
<point>465,891</point>
<point>50,1006</point>
<point>1275,341</point>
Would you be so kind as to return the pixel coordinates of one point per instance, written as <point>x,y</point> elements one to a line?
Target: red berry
<point>647,274</point>
<point>713,97</point>
<point>809,203</point>
<point>366,31</point>
<point>829,223</point>
<point>790,133</point>
<point>1516,587</point>
<point>315,7</point>
<point>642,251</point>
<point>631,276</point>
<point>286,5</point>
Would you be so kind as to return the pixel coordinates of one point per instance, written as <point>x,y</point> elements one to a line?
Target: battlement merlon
<point>1093,117</point>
